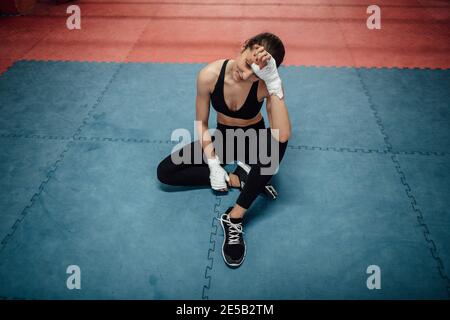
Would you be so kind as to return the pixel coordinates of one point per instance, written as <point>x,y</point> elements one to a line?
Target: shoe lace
<point>234,230</point>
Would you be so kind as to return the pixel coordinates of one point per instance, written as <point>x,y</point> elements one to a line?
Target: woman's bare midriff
<point>235,122</point>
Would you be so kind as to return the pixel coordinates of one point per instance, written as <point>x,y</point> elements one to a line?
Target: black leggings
<point>197,173</point>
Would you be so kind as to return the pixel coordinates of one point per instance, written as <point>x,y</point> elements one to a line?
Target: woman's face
<point>242,70</point>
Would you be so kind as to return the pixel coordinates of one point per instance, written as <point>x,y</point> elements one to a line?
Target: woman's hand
<point>266,69</point>
<point>261,56</point>
<point>217,175</point>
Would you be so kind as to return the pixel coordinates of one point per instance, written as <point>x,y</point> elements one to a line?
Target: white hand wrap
<point>217,175</point>
<point>270,76</point>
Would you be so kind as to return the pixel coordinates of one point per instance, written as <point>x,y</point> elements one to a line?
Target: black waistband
<point>259,125</point>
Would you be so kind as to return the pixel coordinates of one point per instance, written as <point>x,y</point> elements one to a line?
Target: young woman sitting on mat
<point>236,89</point>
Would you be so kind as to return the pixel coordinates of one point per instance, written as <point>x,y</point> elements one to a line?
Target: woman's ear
<point>243,47</point>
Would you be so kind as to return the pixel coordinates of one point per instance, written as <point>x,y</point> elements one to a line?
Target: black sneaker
<point>242,170</point>
<point>233,247</point>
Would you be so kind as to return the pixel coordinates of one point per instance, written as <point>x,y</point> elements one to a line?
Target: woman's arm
<point>278,117</point>
<point>264,66</point>
<point>202,112</point>
<point>217,176</point>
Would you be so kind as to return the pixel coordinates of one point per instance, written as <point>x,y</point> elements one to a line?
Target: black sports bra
<point>249,109</point>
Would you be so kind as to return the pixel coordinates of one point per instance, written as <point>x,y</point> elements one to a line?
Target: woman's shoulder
<point>209,74</point>
<point>213,68</point>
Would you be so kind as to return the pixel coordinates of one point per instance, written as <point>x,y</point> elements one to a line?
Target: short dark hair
<point>271,43</point>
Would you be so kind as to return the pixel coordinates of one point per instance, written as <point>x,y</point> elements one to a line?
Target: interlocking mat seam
<point>83,138</point>
<point>13,298</point>
<point>420,218</point>
<point>160,141</point>
<point>289,66</point>
<point>211,249</point>
<point>35,196</point>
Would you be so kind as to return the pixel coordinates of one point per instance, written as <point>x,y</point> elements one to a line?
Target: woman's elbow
<point>284,137</point>
<point>285,134</point>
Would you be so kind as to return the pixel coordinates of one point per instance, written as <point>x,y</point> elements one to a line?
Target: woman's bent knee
<point>163,172</point>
